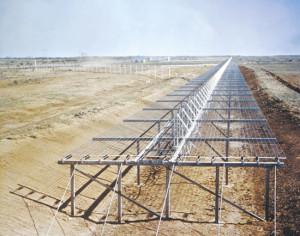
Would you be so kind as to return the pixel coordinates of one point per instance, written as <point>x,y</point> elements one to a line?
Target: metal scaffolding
<point>211,121</point>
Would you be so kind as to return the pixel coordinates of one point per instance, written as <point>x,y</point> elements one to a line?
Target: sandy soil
<point>46,113</point>
<point>292,81</point>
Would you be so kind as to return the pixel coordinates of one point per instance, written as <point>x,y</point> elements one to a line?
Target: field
<point>46,112</point>
<point>275,85</point>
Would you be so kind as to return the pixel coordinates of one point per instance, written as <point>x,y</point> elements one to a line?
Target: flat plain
<point>46,112</point>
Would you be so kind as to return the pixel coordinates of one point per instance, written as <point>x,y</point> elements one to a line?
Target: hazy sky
<point>149,27</point>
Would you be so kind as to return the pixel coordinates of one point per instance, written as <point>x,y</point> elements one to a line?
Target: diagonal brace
<point>112,189</point>
<point>224,199</point>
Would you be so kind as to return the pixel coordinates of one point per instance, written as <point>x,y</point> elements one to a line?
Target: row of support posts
<point>126,69</point>
<point>105,69</point>
<point>168,189</point>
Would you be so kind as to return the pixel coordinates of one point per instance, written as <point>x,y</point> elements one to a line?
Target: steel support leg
<point>267,193</point>
<point>119,196</point>
<point>168,193</point>
<point>72,170</point>
<point>138,174</point>
<point>138,166</point>
<point>217,196</point>
<point>227,174</point>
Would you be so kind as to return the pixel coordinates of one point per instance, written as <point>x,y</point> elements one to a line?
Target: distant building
<point>139,59</point>
<point>159,58</point>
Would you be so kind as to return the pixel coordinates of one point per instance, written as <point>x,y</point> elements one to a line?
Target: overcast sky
<point>149,27</point>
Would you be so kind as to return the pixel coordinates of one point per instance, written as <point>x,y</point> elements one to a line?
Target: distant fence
<point>39,66</point>
<point>156,71</point>
<point>152,70</point>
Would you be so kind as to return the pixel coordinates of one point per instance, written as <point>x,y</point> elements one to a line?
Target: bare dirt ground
<point>46,113</point>
<point>284,120</point>
<point>292,81</point>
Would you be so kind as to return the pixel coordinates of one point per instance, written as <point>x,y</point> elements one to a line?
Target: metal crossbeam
<point>231,100</point>
<point>185,90</point>
<point>233,95</point>
<point>234,90</point>
<point>205,109</point>
<point>152,120</point>
<point>214,95</point>
<point>230,86</point>
<point>160,150</point>
<point>177,100</point>
<point>160,108</point>
<point>232,108</point>
<point>179,95</point>
<point>190,86</point>
<point>203,121</point>
<point>160,162</point>
<point>169,139</point>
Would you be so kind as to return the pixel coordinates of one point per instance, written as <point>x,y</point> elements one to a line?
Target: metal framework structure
<point>213,120</point>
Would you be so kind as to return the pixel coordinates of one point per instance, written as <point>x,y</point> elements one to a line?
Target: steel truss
<point>215,122</point>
